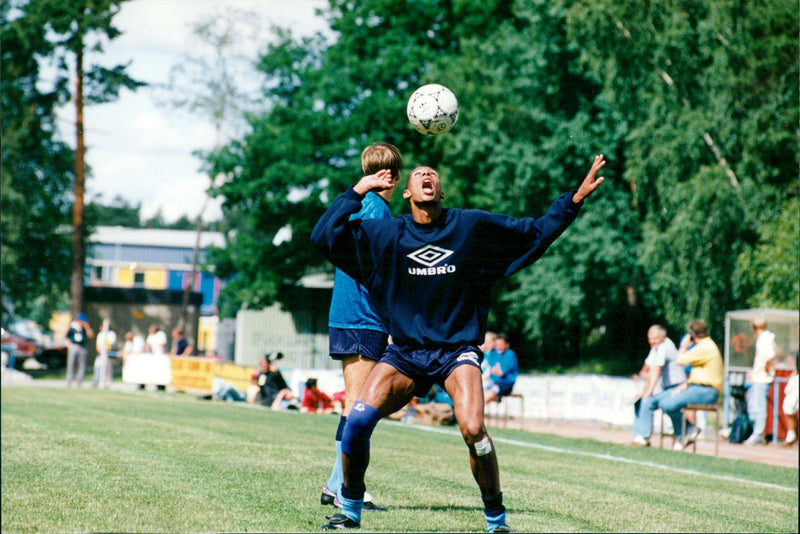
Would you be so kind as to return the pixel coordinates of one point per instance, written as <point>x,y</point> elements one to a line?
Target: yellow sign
<point>197,374</point>
<point>192,374</point>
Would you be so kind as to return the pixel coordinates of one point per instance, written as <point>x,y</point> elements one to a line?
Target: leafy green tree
<point>769,271</point>
<point>696,90</point>
<point>36,174</point>
<point>326,102</point>
<point>119,212</point>
<point>694,105</point>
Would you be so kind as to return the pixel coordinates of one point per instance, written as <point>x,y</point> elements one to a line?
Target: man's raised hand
<point>591,182</point>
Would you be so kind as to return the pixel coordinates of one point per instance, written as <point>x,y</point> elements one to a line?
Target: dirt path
<point>773,454</point>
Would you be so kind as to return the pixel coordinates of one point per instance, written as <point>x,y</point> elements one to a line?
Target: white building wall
<point>259,332</point>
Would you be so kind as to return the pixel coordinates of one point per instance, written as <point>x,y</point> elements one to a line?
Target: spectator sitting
<point>181,346</point>
<point>314,400</point>
<point>273,390</point>
<point>500,370</point>
<point>488,341</point>
<point>660,366</point>
<point>435,408</point>
<point>702,387</point>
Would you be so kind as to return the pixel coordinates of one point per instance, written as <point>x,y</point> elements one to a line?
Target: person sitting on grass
<point>314,400</point>
<point>273,390</point>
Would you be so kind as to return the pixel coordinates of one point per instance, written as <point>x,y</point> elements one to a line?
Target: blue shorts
<point>348,341</point>
<point>501,389</point>
<point>427,367</point>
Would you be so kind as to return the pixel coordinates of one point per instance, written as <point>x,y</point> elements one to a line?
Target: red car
<point>18,345</point>
<point>23,348</point>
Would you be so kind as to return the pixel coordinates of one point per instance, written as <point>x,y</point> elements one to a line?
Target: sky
<point>141,151</point>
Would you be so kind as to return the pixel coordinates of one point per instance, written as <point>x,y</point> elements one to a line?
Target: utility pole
<point>78,209</point>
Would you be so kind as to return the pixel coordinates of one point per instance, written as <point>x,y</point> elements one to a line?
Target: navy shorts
<point>348,341</point>
<point>427,367</point>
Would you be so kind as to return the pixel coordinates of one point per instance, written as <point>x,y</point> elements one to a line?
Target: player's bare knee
<point>473,433</point>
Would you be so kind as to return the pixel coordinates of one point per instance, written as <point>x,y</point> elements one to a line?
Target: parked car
<point>30,354</point>
<point>15,345</point>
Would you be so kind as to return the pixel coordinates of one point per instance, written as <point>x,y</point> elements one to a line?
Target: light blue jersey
<point>508,365</point>
<point>351,306</point>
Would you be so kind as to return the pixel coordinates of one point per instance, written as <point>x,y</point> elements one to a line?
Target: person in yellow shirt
<point>704,383</point>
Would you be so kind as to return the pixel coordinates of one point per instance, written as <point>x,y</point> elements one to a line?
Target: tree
<point>695,105</point>
<point>119,212</point>
<point>325,102</point>
<point>77,27</point>
<point>36,174</point>
<point>706,100</point>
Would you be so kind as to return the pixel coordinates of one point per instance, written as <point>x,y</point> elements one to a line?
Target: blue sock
<point>492,522</point>
<point>351,506</point>
<point>337,473</point>
<point>494,511</point>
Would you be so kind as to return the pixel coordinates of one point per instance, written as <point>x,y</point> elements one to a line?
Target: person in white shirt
<point>156,341</point>
<point>760,377</point>
<point>660,369</point>
<point>104,367</point>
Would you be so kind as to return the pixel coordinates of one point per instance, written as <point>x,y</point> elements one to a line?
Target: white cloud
<point>143,152</point>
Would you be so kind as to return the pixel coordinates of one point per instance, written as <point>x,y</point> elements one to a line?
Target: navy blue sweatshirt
<point>431,282</point>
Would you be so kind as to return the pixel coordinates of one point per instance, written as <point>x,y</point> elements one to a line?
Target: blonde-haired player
<point>357,336</point>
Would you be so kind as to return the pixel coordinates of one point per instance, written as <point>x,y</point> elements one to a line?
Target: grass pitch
<point>82,460</point>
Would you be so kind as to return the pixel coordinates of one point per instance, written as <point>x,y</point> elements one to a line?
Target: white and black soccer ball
<point>432,109</point>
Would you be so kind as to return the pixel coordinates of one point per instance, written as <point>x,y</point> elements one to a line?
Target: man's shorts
<point>348,341</point>
<point>499,389</point>
<point>426,367</point>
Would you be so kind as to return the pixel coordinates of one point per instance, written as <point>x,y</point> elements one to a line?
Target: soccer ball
<point>432,109</point>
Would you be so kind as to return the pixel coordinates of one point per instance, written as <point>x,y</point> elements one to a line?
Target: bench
<point>698,408</point>
<point>504,405</point>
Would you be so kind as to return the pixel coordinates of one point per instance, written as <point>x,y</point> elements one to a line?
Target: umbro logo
<point>359,406</point>
<point>430,255</point>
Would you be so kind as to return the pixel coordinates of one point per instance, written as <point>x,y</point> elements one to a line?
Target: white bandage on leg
<point>483,447</point>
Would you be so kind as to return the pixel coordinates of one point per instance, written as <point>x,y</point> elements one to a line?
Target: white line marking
<point>605,457</point>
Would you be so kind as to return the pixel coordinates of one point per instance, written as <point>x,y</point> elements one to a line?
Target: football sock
<point>494,511</point>
<point>352,501</point>
<point>337,473</point>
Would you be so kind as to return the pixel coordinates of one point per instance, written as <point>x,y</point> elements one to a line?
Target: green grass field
<point>91,460</point>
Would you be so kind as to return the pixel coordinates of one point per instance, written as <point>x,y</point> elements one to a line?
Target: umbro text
<point>430,271</point>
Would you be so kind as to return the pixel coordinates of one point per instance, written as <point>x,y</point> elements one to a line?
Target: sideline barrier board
<point>147,368</point>
<point>238,375</point>
<point>192,374</point>
<point>591,398</point>
<point>196,374</point>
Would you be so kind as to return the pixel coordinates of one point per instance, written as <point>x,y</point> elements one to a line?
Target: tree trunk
<point>78,209</point>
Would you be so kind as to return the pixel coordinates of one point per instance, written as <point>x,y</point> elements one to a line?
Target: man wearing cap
<point>77,337</point>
